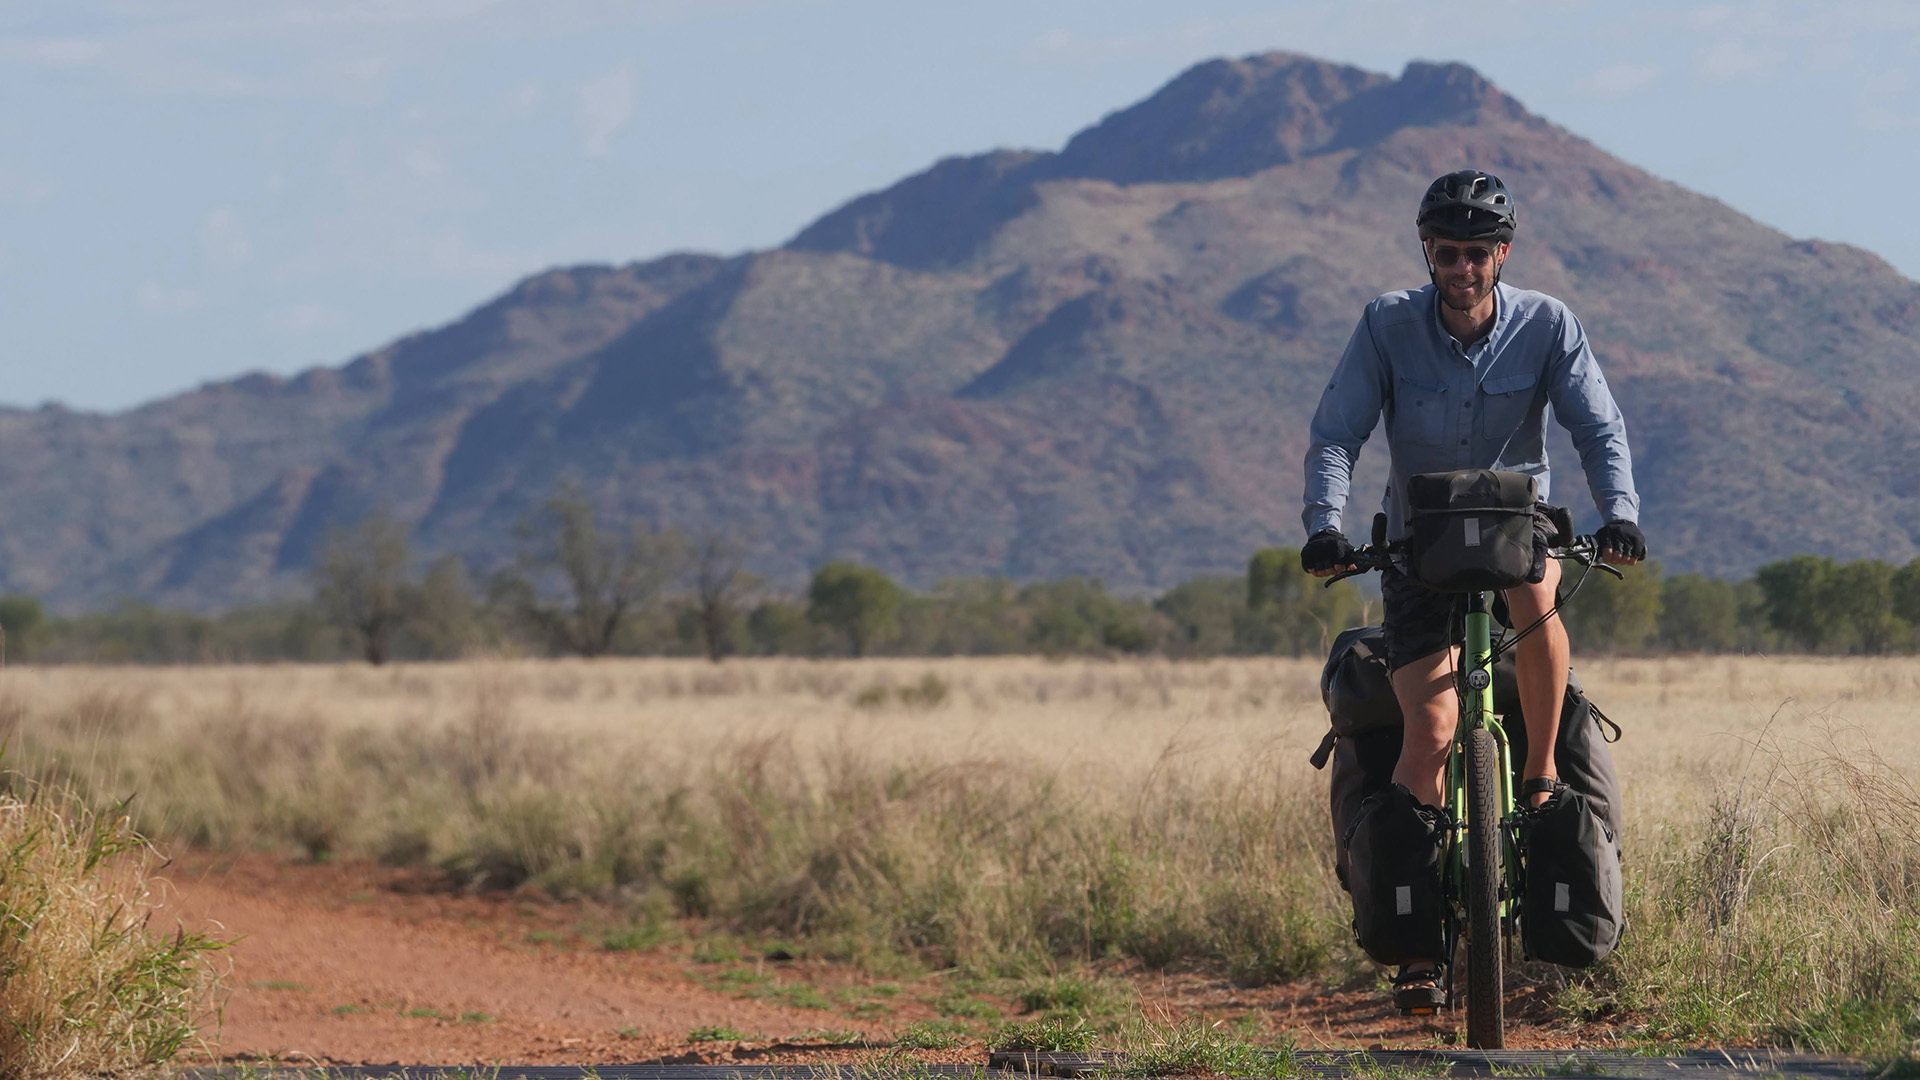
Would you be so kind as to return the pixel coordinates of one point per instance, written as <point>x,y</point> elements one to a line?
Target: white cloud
<point>605,105</point>
<point>1731,59</point>
<point>1620,80</point>
<point>223,241</point>
<point>153,298</point>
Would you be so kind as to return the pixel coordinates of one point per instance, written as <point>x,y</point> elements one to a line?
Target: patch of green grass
<point>644,937</point>
<point>1196,1046</point>
<point>931,1035</point>
<point>1052,1034</point>
<point>739,978</point>
<point>545,937</point>
<point>1079,995</point>
<point>422,1014</point>
<point>959,1003</point>
<point>347,1010</point>
<point>282,984</point>
<point>714,1034</point>
<point>799,995</point>
<point>716,951</point>
<point>476,1017</point>
<point>834,1036</point>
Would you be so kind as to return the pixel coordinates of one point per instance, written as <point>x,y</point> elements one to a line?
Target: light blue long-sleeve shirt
<point>1481,407</point>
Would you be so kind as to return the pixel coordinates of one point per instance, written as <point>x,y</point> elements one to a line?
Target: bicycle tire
<point>1486,1021</point>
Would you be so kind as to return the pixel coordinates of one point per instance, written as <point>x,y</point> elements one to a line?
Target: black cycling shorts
<point>1417,621</point>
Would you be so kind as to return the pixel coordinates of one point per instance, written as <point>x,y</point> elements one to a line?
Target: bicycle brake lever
<point>1342,576</point>
<point>1611,569</point>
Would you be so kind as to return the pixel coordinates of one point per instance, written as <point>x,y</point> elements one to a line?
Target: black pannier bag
<point>1572,908</point>
<point>1471,530</point>
<point>1394,851</point>
<point>1363,746</point>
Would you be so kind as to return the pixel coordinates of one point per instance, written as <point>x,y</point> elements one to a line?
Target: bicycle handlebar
<point>1584,550</point>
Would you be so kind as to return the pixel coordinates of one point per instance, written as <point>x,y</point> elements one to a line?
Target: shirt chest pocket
<point>1505,403</point>
<point>1420,413</point>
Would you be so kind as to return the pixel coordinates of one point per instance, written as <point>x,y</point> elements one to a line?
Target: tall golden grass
<point>1020,814</point>
<point>85,987</point>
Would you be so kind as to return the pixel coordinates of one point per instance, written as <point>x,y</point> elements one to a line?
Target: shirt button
<point>1463,442</point>
<point>1466,404</point>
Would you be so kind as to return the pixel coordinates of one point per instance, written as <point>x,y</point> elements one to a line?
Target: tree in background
<point>1205,617</point>
<point>1699,614</point>
<point>1080,615</point>
<point>1860,595</point>
<point>361,582</point>
<point>780,628</point>
<point>1797,592</point>
<point>973,616</point>
<point>445,618</point>
<point>720,586</point>
<point>574,584</point>
<point>20,616</point>
<point>1612,616</point>
<point>1296,614</point>
<point>859,602</point>
<point>1905,590</point>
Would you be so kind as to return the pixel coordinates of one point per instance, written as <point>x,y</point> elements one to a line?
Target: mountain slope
<point>1097,361</point>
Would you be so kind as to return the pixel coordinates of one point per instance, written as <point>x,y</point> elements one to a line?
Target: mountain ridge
<point>1095,360</point>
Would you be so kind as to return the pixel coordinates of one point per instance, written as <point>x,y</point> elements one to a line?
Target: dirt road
<point>366,965</point>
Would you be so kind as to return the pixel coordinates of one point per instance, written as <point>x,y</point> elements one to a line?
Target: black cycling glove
<point>1623,538</point>
<point>1327,549</point>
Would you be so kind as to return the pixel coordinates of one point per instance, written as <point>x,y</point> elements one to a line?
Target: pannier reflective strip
<point>1562,896</point>
<point>1403,900</point>
<point>1473,532</point>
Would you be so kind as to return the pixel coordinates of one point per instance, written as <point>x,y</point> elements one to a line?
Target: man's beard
<point>1460,303</point>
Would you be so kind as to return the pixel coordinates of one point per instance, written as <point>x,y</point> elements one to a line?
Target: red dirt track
<point>357,964</point>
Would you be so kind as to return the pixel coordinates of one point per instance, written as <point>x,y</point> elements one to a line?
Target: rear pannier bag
<point>1394,866</point>
<point>1363,746</point>
<point>1355,685</point>
<point>1471,530</point>
<point>1571,909</point>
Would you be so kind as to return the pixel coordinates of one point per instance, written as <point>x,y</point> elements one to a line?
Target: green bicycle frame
<point>1476,711</point>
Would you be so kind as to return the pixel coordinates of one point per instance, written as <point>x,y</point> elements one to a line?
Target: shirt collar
<point>1502,308</point>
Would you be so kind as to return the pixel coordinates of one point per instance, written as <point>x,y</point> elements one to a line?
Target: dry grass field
<point>1014,815</point>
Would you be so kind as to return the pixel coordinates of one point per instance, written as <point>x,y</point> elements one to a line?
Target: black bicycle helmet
<point>1467,205</point>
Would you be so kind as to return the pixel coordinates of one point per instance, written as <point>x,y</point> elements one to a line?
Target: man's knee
<point>1532,600</point>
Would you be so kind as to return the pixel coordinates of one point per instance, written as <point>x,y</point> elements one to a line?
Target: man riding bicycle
<point>1463,370</point>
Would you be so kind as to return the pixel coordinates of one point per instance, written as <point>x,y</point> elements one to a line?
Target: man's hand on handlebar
<point>1327,553</point>
<point>1621,543</point>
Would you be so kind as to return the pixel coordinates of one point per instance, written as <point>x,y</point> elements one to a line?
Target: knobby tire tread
<point>1486,1022</point>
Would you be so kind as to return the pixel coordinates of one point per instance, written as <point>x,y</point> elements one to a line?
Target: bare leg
<point>1431,709</point>
<point>1542,663</point>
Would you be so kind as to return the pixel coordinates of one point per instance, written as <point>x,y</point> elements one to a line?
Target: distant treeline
<point>579,589</point>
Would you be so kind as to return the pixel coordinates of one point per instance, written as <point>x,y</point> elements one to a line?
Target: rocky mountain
<point>1097,361</point>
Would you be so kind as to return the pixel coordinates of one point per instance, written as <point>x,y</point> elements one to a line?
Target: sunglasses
<point>1446,255</point>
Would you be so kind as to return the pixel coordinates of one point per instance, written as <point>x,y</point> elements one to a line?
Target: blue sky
<point>191,190</point>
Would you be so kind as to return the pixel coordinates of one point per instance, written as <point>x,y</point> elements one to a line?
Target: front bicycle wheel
<point>1486,1022</point>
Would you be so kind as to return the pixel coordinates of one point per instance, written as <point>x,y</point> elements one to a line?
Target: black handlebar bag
<point>1471,530</point>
